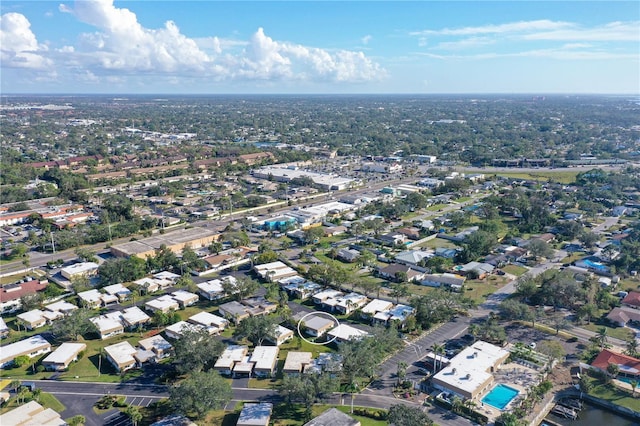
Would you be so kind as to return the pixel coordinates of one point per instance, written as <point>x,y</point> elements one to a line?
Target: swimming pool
<point>500,396</point>
<point>595,265</point>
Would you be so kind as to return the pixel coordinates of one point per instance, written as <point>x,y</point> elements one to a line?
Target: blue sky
<point>211,47</point>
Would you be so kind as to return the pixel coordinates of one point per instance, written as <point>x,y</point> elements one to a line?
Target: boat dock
<point>566,412</point>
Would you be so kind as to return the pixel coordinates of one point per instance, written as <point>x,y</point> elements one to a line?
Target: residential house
<point>350,303</point>
<point>31,413</point>
<point>398,314</point>
<point>184,298</point>
<point>31,346</point>
<point>411,233</point>
<point>62,307</point>
<point>333,417</point>
<point>121,356</point>
<point>296,362</point>
<point>108,325</point>
<point>11,294</point>
<point>212,323</point>
<point>392,238</point>
<point>176,330</point>
<point>264,359</point>
<point>133,317</point>
<point>164,304</point>
<point>302,290</point>
<point>118,290</point>
<point>444,280</point>
<point>4,330</point>
<point>255,414</point>
<point>283,334</point>
<point>348,255</point>
<point>629,367</point>
<point>61,358</point>
<point>234,311</point>
<point>412,257</point>
<point>375,306</point>
<point>395,271</point>
<point>344,333</point>
<point>213,289</point>
<point>32,319</point>
<point>320,297</point>
<point>316,325</point>
<point>158,345</point>
<point>623,316</point>
<point>632,300</point>
<point>93,299</point>
<point>274,271</point>
<point>481,269</point>
<point>227,360</point>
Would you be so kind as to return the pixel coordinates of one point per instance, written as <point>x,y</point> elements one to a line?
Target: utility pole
<point>53,244</point>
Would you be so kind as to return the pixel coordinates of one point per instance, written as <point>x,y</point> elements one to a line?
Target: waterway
<point>594,416</point>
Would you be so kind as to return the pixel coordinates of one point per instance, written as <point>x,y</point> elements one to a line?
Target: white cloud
<point>366,39</point>
<point>513,27</point>
<point>614,31</point>
<point>467,43</point>
<point>122,45</point>
<point>19,47</point>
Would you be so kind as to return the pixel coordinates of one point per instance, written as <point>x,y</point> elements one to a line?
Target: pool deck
<point>515,376</point>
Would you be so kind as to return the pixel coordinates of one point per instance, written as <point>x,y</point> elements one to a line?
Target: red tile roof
<point>632,299</point>
<point>17,291</point>
<point>627,363</point>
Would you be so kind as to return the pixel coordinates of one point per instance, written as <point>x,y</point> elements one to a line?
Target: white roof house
<point>32,319</point>
<point>184,298</point>
<point>175,331</point>
<point>255,414</point>
<point>327,294</point>
<point>166,275</point>
<point>133,316</point>
<point>282,335</point>
<point>469,374</point>
<point>274,271</point>
<point>4,330</point>
<point>375,306</point>
<point>93,298</point>
<point>213,289</point>
<point>264,359</point>
<point>231,355</point>
<point>164,304</point>
<point>108,325</point>
<point>79,269</point>
<point>296,362</point>
<point>344,332</point>
<point>31,346</point>
<point>118,290</point>
<point>213,323</point>
<point>63,356</point>
<point>157,344</point>
<point>350,302</point>
<point>61,306</point>
<point>121,355</point>
<point>32,413</point>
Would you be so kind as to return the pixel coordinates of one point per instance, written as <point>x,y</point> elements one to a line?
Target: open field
<point>543,176</point>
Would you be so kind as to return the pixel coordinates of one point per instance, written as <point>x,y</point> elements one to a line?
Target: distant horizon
<point>321,94</point>
<point>221,47</point>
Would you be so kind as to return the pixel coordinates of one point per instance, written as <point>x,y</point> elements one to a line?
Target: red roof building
<point>632,300</point>
<point>628,365</point>
<point>10,294</point>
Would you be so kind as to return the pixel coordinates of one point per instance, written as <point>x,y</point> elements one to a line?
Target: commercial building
<point>470,373</point>
<point>31,347</point>
<point>175,241</point>
<point>77,270</point>
<point>63,356</point>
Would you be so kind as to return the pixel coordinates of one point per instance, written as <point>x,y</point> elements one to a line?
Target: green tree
<point>539,248</point>
<point>200,393</point>
<point>257,329</point>
<point>196,350</point>
<point>21,361</point>
<point>74,325</point>
<point>134,414</point>
<point>405,415</point>
<point>78,420</point>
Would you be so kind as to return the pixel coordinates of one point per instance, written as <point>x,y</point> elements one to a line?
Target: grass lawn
<point>629,284</point>
<point>515,270</point>
<point>615,395</point>
<point>47,400</point>
<point>437,207</point>
<point>293,415</point>
<point>478,290</point>
<point>11,279</point>
<point>615,332</point>
<point>573,257</point>
<point>437,243</point>
<point>544,176</point>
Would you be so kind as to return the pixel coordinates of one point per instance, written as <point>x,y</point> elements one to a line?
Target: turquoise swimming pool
<point>500,396</point>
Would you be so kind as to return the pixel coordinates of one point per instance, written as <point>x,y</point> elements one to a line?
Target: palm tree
<point>601,337</point>
<point>437,350</point>
<point>634,385</point>
<point>632,347</point>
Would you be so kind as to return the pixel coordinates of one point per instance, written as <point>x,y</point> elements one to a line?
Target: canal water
<point>594,416</point>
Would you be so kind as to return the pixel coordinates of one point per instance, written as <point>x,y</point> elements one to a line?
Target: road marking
<point>102,394</point>
<point>114,415</point>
